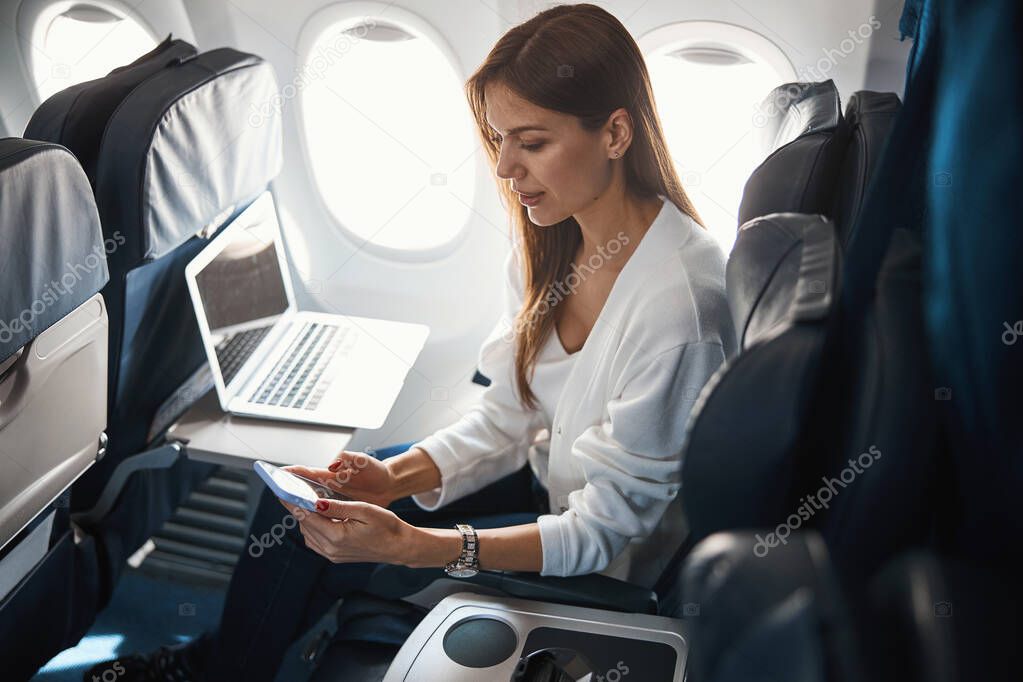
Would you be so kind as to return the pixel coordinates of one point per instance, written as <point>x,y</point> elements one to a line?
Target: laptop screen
<point>242,288</point>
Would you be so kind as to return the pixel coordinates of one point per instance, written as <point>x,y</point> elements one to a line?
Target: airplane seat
<point>775,616</point>
<point>803,137</point>
<point>787,614</point>
<point>782,281</point>
<point>870,117</point>
<point>176,154</point>
<point>825,164</point>
<point>53,374</point>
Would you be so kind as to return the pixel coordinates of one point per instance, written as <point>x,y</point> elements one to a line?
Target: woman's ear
<point>619,129</point>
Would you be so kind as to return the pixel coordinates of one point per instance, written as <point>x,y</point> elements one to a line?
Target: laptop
<point>268,358</point>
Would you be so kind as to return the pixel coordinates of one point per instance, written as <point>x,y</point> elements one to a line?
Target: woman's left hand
<point>351,532</point>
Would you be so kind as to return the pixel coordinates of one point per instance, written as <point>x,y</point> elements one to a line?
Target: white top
<point>619,421</point>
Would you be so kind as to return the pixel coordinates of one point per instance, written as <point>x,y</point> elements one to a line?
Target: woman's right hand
<point>357,475</point>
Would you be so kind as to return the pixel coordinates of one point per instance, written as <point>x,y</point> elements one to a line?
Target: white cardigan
<point>613,467</point>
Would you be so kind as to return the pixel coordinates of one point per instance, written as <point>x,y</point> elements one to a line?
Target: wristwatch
<point>468,562</point>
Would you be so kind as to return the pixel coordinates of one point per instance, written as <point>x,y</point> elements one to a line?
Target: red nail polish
<point>334,465</point>
<point>322,505</point>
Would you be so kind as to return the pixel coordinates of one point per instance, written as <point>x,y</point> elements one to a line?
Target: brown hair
<point>578,60</point>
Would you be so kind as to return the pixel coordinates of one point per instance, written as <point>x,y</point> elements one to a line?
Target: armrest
<point>161,457</point>
<point>593,591</point>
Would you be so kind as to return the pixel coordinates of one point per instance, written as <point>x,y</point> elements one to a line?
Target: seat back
<point>758,416</point>
<point>869,117</point>
<point>53,373</point>
<point>783,283</point>
<point>178,157</point>
<point>77,117</point>
<point>53,329</point>
<point>777,616</point>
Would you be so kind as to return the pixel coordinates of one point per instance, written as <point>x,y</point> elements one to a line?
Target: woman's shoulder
<point>681,299</point>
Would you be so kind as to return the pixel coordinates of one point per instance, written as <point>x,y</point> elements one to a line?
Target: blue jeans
<point>281,588</point>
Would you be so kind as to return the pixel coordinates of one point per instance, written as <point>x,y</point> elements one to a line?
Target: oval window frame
<point>748,43</point>
<point>738,39</point>
<point>315,26</point>
<point>35,17</point>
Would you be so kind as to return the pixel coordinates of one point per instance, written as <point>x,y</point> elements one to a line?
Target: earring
<point>615,155</point>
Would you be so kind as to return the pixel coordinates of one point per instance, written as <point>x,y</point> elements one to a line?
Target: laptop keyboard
<point>235,350</point>
<point>294,380</point>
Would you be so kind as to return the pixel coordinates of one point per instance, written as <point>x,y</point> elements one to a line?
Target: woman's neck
<point>615,212</point>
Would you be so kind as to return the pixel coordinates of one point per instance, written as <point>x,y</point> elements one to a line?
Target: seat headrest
<point>804,134</point>
<point>194,142</point>
<point>53,257</point>
<point>779,268</point>
<point>793,110</point>
<point>870,117</point>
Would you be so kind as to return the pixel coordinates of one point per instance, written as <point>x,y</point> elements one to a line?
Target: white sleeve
<point>490,441</point>
<point>631,461</point>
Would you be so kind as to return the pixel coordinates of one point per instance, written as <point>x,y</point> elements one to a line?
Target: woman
<point>615,318</point>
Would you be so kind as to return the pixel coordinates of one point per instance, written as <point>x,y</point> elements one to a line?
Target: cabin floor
<point>179,611</point>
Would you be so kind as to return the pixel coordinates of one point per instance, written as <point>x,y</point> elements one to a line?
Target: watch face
<point>464,572</point>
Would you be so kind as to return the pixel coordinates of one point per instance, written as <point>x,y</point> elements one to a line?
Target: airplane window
<point>388,133</point>
<point>709,80</point>
<point>83,42</point>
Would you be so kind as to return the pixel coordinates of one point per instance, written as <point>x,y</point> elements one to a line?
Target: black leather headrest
<point>793,110</point>
<point>802,130</point>
<point>53,257</point>
<point>772,256</point>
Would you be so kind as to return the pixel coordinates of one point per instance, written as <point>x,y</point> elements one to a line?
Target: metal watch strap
<point>467,563</point>
<point>470,546</point>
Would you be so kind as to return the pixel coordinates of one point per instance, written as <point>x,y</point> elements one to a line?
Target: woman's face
<point>556,166</point>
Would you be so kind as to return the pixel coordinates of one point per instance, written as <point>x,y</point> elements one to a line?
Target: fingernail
<point>334,465</point>
<point>322,505</point>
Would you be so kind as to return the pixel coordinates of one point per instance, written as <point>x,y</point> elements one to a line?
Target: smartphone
<point>297,490</point>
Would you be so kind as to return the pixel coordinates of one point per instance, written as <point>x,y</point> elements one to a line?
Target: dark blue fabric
<point>278,593</point>
<point>919,22</point>
<point>974,288</point>
<point>896,194</point>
